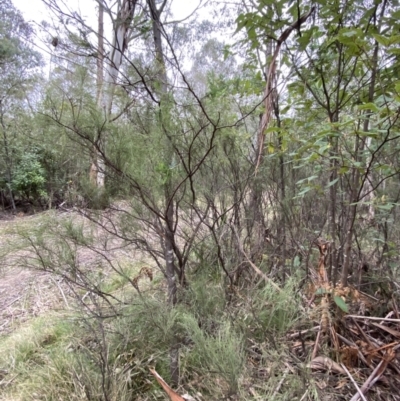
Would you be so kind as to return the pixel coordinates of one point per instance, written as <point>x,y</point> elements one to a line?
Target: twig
<point>278,387</point>
<point>83,298</point>
<point>12,302</point>
<point>61,291</point>
<point>368,382</point>
<point>255,268</point>
<point>390,314</point>
<point>314,354</point>
<point>304,396</point>
<point>354,382</point>
<point>299,333</point>
<point>373,318</point>
<point>375,375</point>
<point>7,383</point>
<point>4,324</point>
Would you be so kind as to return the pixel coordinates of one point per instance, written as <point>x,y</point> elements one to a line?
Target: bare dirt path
<point>24,293</point>
<point>27,293</point>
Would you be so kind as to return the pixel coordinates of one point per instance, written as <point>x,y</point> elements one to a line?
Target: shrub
<point>29,177</point>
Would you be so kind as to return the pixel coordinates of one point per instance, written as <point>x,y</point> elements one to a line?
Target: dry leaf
<point>325,363</point>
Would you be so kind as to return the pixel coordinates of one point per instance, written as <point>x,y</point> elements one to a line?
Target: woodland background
<point>214,197</point>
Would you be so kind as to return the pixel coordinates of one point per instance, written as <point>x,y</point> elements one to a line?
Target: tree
<point>18,68</point>
<point>118,46</point>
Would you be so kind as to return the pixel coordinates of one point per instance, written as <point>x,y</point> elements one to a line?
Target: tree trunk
<point>95,176</point>
<point>109,82</point>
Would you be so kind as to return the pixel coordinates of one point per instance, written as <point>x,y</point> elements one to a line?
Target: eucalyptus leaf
<point>341,303</point>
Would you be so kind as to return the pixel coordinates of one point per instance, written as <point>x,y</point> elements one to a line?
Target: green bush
<point>29,177</point>
<point>219,355</point>
<point>273,311</point>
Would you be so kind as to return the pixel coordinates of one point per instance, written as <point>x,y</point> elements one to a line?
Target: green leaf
<point>320,291</point>
<point>369,106</point>
<point>387,206</point>
<point>271,129</point>
<point>304,191</point>
<point>332,183</point>
<point>382,40</point>
<point>341,303</point>
<point>368,134</point>
<point>271,148</point>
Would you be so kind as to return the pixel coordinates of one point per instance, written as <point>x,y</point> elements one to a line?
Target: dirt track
<point>24,293</point>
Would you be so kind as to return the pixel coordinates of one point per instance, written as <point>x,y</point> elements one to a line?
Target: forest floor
<point>23,293</point>
<point>289,355</point>
<point>26,293</point>
<point>35,304</point>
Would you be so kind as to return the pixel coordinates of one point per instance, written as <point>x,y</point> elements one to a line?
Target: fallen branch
<point>325,363</point>
<point>255,268</point>
<point>354,382</point>
<point>375,375</point>
<point>382,319</point>
<point>171,393</point>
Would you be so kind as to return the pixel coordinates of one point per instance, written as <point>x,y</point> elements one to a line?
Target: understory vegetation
<point>200,207</point>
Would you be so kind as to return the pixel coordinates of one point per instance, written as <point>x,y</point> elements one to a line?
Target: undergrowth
<point>222,353</point>
<point>232,342</point>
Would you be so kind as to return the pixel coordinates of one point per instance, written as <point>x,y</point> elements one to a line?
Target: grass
<point>230,346</point>
<point>31,351</point>
<point>62,357</point>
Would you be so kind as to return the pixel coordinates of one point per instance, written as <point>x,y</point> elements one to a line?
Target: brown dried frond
<point>324,314</point>
<point>323,247</point>
<point>144,272</point>
<point>349,356</point>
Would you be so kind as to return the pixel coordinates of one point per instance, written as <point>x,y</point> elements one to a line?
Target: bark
<point>255,221</point>
<point>282,186</point>
<point>333,255</point>
<point>96,178</point>
<point>270,103</point>
<point>270,87</point>
<point>119,45</point>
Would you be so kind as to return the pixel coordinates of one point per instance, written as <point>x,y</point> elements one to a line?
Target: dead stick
<point>278,387</point>
<point>314,354</point>
<point>299,333</point>
<point>354,382</point>
<point>374,318</point>
<point>372,379</point>
<point>255,268</point>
